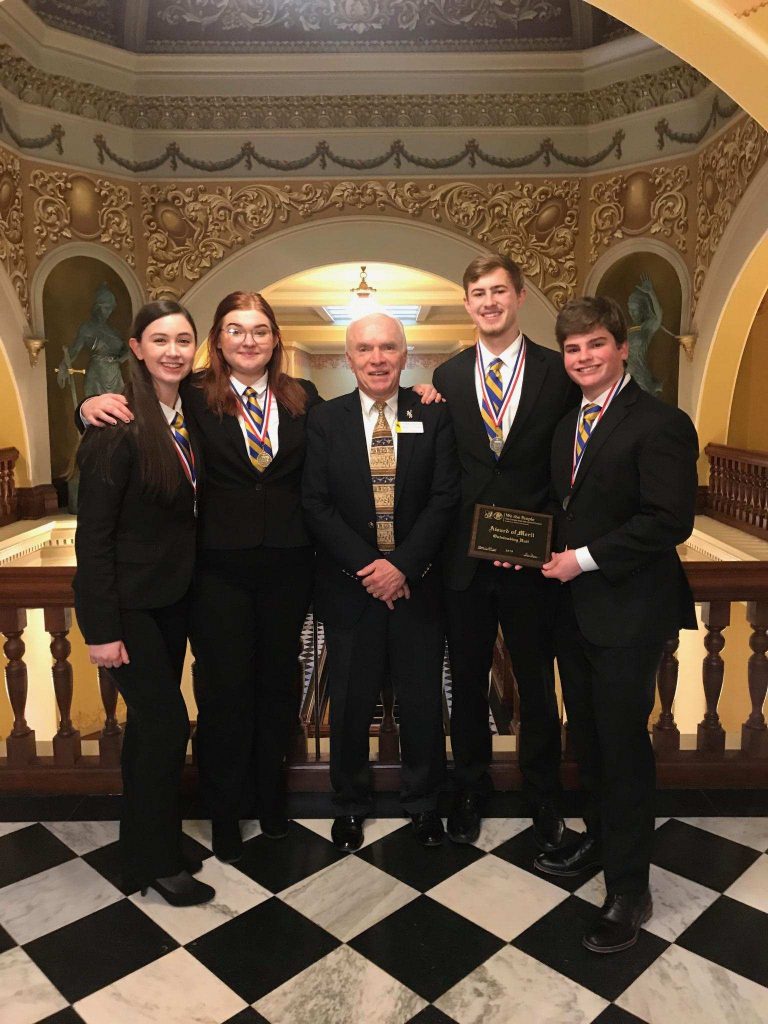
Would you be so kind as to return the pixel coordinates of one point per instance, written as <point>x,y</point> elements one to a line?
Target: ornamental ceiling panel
<point>211,26</point>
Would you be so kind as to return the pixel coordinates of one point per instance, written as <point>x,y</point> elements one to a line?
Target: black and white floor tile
<point>300,934</point>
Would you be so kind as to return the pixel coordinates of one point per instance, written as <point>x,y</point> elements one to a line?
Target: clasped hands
<point>111,655</point>
<point>384,581</point>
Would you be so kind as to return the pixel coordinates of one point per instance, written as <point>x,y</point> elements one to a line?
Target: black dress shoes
<point>227,841</point>
<point>619,923</point>
<point>428,828</point>
<point>548,827</point>
<point>347,832</point>
<point>274,828</point>
<point>181,890</point>
<point>465,817</point>
<point>571,859</point>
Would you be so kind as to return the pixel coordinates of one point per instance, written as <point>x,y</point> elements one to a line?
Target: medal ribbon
<point>180,437</point>
<point>579,449</point>
<point>256,424</point>
<point>495,405</point>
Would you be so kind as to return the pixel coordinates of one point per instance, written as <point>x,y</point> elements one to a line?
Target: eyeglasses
<point>240,333</point>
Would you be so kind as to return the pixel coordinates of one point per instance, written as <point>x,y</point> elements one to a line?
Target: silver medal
<point>496,443</point>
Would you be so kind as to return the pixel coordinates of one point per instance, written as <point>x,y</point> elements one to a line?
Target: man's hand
<point>100,410</point>
<point>384,581</point>
<point>108,655</point>
<point>428,393</point>
<point>562,566</point>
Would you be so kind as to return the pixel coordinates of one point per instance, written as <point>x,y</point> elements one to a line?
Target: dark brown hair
<point>482,265</point>
<point>579,316</point>
<point>219,395</point>
<point>158,461</point>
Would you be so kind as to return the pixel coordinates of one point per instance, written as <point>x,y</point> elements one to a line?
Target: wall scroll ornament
<point>654,202</point>
<point>56,134</point>
<point>12,254</point>
<point>75,205</point>
<point>322,154</point>
<point>189,228</point>
<point>719,112</point>
<point>725,170</point>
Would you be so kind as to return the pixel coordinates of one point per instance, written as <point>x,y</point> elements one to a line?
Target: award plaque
<point>511,535</point>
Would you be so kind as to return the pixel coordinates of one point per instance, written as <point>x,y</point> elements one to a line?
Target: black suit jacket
<point>520,477</point>
<point>242,508</point>
<point>632,502</point>
<point>133,551</point>
<point>339,504</point>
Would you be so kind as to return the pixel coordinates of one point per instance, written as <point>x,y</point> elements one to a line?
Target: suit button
<point>570,516</point>
<point>497,472</point>
<point>257,487</point>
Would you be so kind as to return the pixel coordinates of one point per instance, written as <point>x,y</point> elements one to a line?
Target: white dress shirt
<point>508,358</point>
<point>583,557</point>
<point>370,416</point>
<point>260,387</point>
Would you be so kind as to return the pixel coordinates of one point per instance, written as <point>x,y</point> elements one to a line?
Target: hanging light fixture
<point>362,300</point>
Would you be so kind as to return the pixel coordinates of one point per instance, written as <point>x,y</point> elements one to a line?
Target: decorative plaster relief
<point>645,202</point>
<point>725,170</point>
<point>238,113</point>
<point>73,204</point>
<point>190,228</point>
<point>12,254</point>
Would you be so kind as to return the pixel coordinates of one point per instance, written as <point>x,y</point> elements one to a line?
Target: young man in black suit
<point>380,486</point>
<point>624,481</point>
<point>505,396</point>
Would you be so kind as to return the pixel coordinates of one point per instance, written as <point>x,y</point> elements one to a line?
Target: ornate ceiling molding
<point>12,253</point>
<point>720,111</point>
<point>226,113</point>
<point>56,134</point>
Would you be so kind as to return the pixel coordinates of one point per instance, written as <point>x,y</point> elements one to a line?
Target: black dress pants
<point>154,742</point>
<point>522,603</point>
<point>609,693</point>
<point>409,642</point>
<point>248,608</point>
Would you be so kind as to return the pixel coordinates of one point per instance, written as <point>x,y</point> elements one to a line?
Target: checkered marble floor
<point>395,933</point>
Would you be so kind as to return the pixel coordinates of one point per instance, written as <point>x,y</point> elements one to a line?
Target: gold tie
<point>383,477</point>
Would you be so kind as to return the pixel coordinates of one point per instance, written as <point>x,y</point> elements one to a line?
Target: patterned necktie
<point>383,478</point>
<point>588,416</point>
<point>181,437</point>
<point>259,452</point>
<point>495,395</point>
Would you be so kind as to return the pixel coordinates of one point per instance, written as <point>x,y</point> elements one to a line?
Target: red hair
<point>219,395</point>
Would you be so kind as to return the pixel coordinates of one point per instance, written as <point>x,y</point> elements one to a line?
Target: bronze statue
<point>108,350</point>
<point>645,314</point>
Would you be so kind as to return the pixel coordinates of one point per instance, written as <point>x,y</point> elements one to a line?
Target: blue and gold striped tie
<point>181,434</point>
<point>256,448</point>
<point>495,394</point>
<point>588,416</point>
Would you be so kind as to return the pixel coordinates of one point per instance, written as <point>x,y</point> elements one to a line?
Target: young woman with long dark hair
<point>135,544</point>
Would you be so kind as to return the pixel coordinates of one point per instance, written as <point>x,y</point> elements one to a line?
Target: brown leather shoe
<point>619,923</point>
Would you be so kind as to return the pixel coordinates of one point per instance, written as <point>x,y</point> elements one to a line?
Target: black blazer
<point>520,478</point>
<point>339,505</point>
<point>242,508</point>
<point>132,551</point>
<point>631,504</point>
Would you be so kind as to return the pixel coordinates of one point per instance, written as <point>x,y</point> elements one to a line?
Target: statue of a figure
<point>645,313</point>
<point>108,350</point>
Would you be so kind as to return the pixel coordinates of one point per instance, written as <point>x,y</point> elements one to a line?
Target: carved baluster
<point>66,742</point>
<point>710,735</point>
<point>111,738</point>
<point>20,745</point>
<point>666,735</point>
<point>389,743</point>
<point>297,751</point>
<point>754,734</point>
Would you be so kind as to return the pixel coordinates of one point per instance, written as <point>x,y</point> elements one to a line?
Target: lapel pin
<point>409,414</point>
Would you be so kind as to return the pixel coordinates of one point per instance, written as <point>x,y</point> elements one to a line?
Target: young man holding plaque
<point>624,481</point>
<point>380,487</point>
<point>505,396</point>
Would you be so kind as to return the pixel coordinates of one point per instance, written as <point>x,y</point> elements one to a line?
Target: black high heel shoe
<point>181,890</point>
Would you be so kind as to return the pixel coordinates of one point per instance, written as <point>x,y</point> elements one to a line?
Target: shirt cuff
<point>585,560</point>
<point>83,420</point>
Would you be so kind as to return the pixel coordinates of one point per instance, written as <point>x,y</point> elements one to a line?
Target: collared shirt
<point>260,387</point>
<point>169,412</point>
<point>508,358</point>
<point>583,557</point>
<point>370,415</point>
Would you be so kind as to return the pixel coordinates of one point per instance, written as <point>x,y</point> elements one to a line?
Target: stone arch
<point>354,239</point>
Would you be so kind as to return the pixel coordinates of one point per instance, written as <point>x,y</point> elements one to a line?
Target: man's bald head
<point>381,324</point>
